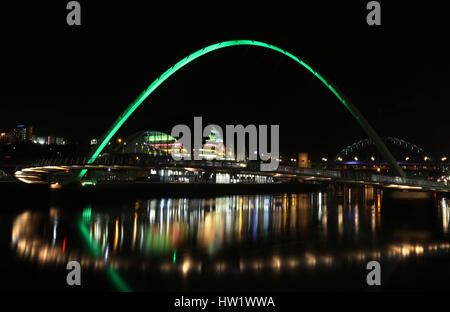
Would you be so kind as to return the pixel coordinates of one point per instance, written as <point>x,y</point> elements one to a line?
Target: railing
<point>309,171</point>
<point>407,181</point>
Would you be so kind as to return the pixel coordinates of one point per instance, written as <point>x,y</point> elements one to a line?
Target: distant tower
<point>20,132</point>
<point>23,133</point>
<point>29,133</point>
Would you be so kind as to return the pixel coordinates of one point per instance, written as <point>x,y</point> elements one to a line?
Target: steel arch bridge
<point>384,151</point>
<point>391,141</point>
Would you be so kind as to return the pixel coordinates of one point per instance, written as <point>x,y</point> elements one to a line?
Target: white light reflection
<point>445,215</point>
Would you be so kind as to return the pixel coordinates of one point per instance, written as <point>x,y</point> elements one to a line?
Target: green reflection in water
<point>96,250</point>
<point>87,212</point>
<point>118,281</point>
<point>94,247</point>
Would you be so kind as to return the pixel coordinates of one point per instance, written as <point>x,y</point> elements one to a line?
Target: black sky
<point>74,81</point>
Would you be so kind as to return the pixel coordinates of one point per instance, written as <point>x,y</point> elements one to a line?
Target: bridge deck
<point>36,172</point>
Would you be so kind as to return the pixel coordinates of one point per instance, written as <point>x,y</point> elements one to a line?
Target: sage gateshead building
<point>146,156</point>
<point>154,143</point>
<point>157,143</point>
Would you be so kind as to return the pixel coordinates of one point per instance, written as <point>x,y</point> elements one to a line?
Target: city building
<point>213,147</point>
<point>159,143</point>
<point>23,133</point>
<point>7,137</point>
<point>48,140</point>
<point>150,142</point>
<point>304,160</point>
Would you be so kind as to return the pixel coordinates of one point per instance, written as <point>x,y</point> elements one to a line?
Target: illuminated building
<point>7,137</point>
<point>154,143</point>
<point>213,147</point>
<point>23,133</point>
<point>158,143</point>
<point>304,160</point>
<point>48,140</point>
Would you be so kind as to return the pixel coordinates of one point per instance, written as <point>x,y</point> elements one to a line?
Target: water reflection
<point>444,214</point>
<point>224,234</point>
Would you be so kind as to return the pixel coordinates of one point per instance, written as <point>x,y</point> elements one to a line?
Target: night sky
<point>75,81</point>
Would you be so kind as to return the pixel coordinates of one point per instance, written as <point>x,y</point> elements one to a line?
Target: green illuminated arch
<point>155,84</point>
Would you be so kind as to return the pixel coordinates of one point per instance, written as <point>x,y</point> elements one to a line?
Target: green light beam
<point>96,251</point>
<point>118,281</point>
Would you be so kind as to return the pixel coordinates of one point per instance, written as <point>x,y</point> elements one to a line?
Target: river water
<point>279,242</point>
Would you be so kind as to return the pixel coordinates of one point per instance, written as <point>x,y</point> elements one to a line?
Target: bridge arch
<point>389,141</point>
<point>164,76</point>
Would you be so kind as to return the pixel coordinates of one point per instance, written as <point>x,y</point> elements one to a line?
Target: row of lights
<point>324,159</point>
<point>373,158</point>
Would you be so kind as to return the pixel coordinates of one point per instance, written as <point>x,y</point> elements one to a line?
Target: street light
<point>444,158</point>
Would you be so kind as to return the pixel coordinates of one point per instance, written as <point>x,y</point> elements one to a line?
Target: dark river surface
<point>280,242</point>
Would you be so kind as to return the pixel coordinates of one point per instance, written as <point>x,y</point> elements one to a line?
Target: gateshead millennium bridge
<point>152,163</point>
